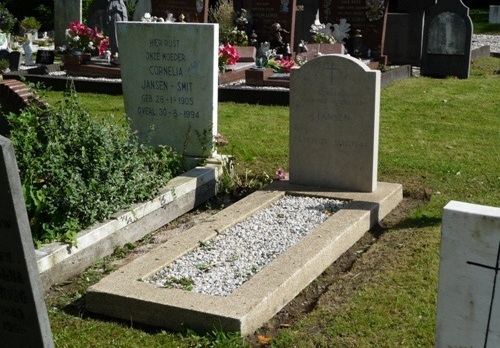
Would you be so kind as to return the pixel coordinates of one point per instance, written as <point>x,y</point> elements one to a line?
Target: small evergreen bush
<point>76,171</point>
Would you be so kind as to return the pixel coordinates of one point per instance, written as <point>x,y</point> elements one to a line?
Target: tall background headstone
<point>468,313</point>
<point>169,74</point>
<point>447,40</point>
<point>65,12</point>
<point>264,13</point>
<point>194,11</point>
<point>404,33</point>
<point>367,16</point>
<point>334,124</point>
<point>23,315</point>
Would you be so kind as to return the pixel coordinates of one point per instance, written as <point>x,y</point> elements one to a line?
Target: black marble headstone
<point>24,320</point>
<point>447,40</point>
<point>45,57</point>
<point>14,60</point>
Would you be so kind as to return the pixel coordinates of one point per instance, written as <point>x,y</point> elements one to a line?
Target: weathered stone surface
<point>468,313</point>
<point>334,124</point>
<point>169,74</point>
<point>23,316</point>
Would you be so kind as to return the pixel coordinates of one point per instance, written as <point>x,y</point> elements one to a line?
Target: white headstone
<point>170,88</point>
<point>334,124</point>
<point>468,313</point>
<point>23,315</point>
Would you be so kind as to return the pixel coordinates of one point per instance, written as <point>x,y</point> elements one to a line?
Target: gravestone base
<point>125,295</point>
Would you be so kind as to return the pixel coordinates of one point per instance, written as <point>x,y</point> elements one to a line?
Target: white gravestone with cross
<point>468,312</point>
<point>334,124</point>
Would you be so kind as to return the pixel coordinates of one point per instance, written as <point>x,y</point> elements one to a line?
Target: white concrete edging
<point>59,261</point>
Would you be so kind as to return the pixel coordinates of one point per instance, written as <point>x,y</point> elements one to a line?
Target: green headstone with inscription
<point>170,88</point>
<point>23,315</point>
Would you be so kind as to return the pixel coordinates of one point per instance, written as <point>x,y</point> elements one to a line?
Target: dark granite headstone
<point>368,16</point>
<point>195,11</point>
<point>447,40</point>
<point>304,17</point>
<point>404,33</point>
<point>45,57</point>
<point>264,13</point>
<point>14,60</point>
<point>23,315</point>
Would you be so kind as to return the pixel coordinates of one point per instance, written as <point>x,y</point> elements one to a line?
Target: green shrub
<point>76,171</point>
<point>30,23</point>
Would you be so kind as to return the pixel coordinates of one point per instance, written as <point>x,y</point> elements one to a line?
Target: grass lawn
<point>440,138</point>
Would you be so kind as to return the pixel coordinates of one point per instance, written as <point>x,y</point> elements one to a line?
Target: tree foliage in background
<point>76,171</point>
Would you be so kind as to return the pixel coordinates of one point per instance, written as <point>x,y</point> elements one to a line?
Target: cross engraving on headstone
<point>496,269</point>
<point>332,69</point>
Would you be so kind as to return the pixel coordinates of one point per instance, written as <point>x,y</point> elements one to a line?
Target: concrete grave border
<point>124,295</point>
<point>59,261</point>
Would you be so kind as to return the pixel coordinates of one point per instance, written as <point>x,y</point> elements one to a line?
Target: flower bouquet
<point>228,55</point>
<point>82,39</point>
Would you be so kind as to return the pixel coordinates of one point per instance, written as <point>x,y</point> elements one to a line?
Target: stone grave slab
<point>23,315</point>
<point>334,124</point>
<point>65,12</point>
<point>15,60</point>
<point>367,16</point>
<point>468,313</point>
<point>194,11</point>
<point>125,295</point>
<point>45,57</point>
<point>404,31</point>
<point>169,74</point>
<point>447,40</point>
<point>264,13</point>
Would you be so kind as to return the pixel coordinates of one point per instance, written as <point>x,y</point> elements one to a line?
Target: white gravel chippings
<point>220,265</point>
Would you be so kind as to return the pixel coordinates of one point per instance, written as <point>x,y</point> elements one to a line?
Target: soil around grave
<point>331,282</point>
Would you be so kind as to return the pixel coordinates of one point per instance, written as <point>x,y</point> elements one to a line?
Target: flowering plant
<point>80,39</point>
<point>7,20</point>
<point>228,55</point>
<point>322,33</point>
<point>280,66</point>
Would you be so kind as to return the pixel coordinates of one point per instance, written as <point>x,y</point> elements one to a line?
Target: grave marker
<point>169,74</point>
<point>334,124</point>
<point>194,11</point>
<point>447,40</point>
<point>264,13</point>
<point>404,34</point>
<point>468,313</point>
<point>65,12</point>
<point>23,315</point>
<point>45,57</point>
<point>367,16</point>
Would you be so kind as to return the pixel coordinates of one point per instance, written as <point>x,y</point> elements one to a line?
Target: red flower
<point>228,55</point>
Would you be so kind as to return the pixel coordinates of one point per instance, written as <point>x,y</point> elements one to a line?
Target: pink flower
<point>280,174</point>
<point>228,55</point>
<point>220,140</point>
<point>286,65</point>
<point>103,46</point>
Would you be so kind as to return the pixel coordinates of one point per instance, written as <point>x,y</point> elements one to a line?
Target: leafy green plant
<point>4,64</point>
<point>30,23</point>
<point>76,171</point>
<point>223,13</point>
<point>7,19</point>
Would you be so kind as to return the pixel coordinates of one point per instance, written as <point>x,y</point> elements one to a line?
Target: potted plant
<point>81,41</point>
<point>4,66</point>
<point>31,25</point>
<point>7,20</point>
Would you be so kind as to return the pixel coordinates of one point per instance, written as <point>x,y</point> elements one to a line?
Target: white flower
<point>76,38</point>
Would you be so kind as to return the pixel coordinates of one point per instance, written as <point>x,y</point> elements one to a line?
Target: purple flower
<point>280,174</point>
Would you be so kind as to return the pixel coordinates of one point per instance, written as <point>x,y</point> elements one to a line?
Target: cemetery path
<point>329,290</point>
